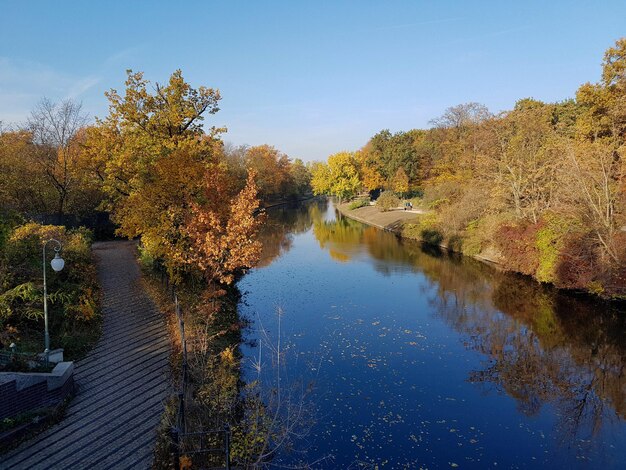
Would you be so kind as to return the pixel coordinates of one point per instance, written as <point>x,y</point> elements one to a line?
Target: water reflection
<point>284,223</point>
<point>544,349</point>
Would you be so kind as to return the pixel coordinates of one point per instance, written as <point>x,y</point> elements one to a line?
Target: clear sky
<point>310,78</point>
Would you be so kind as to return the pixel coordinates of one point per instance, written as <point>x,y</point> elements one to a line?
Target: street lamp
<point>57,264</point>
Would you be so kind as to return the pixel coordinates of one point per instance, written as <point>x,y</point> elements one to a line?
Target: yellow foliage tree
<point>370,174</point>
<point>22,186</point>
<point>400,182</point>
<point>271,168</point>
<point>340,177</point>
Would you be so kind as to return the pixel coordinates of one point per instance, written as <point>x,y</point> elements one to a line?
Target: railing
<point>186,444</point>
<point>207,442</point>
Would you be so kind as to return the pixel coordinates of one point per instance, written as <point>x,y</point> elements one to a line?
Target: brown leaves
<point>518,245</point>
<point>224,242</point>
<point>271,169</point>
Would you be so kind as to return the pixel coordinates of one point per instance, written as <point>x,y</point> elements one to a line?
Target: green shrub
<point>473,238</point>
<point>433,237</point>
<point>359,203</point>
<point>426,229</point>
<point>549,241</point>
<point>548,245</point>
<point>387,201</point>
<point>480,233</point>
<point>411,231</point>
<point>73,293</point>
<point>8,221</point>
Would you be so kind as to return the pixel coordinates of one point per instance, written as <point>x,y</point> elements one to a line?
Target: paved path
<point>111,422</point>
<point>391,220</point>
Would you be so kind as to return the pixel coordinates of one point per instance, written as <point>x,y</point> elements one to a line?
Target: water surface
<point>422,359</point>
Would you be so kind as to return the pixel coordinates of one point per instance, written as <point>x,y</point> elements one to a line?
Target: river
<point>407,357</point>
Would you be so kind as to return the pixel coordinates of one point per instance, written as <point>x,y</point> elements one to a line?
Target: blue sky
<point>311,78</point>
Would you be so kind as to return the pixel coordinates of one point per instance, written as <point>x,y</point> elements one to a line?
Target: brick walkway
<point>111,423</point>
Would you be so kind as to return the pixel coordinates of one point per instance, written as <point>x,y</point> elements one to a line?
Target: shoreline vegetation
<point>399,222</point>
<point>539,189</point>
<point>73,293</point>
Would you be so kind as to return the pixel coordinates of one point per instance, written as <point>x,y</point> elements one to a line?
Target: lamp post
<point>57,264</point>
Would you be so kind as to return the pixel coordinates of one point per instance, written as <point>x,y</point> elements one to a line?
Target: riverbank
<point>394,221</point>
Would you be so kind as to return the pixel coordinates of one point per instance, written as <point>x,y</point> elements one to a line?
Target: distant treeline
<point>540,188</point>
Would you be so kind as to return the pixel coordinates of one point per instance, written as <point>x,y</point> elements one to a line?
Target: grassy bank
<point>417,226</point>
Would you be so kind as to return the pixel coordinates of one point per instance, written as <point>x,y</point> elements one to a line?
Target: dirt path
<point>111,423</point>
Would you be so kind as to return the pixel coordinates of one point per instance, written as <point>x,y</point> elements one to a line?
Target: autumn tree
<point>388,152</point>
<point>400,183</point>
<point>614,81</point>
<point>563,117</point>
<point>462,116</point>
<point>300,176</point>
<point>23,187</point>
<point>369,171</point>
<point>594,176</point>
<point>224,242</point>
<point>158,164</point>
<point>233,157</point>
<point>44,166</point>
<point>340,177</point>
<point>272,169</point>
<point>524,160</point>
<point>321,178</point>
<point>456,137</point>
<point>595,161</point>
<point>40,178</point>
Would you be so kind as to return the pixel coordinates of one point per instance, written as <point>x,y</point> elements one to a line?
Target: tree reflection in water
<point>540,346</point>
<point>285,222</point>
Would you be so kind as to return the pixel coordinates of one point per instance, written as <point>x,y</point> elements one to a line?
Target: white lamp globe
<point>57,263</point>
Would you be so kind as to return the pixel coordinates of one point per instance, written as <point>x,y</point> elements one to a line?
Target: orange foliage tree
<point>224,242</point>
<point>166,181</point>
<point>271,169</point>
